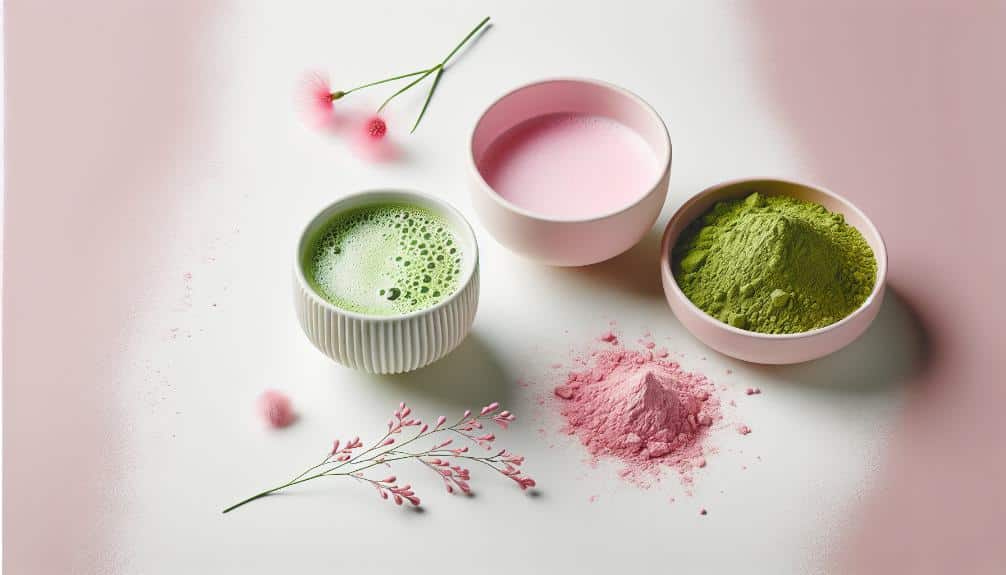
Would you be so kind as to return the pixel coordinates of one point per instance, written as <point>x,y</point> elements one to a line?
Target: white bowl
<point>389,344</point>
<point>569,241</point>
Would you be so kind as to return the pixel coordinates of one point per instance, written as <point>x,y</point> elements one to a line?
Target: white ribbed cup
<point>397,343</point>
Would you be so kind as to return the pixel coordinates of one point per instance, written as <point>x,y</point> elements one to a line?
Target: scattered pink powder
<point>647,412</point>
<point>752,391</point>
<point>703,511</point>
<point>275,409</point>
<point>609,337</point>
<point>743,429</point>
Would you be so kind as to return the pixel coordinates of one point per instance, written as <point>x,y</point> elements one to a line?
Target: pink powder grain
<point>275,409</point>
<point>752,391</point>
<point>703,511</point>
<point>609,337</point>
<point>743,429</point>
<point>662,352</point>
<point>648,413</point>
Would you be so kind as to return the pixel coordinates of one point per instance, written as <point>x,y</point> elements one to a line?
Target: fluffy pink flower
<point>316,96</point>
<point>276,409</point>
<point>376,128</point>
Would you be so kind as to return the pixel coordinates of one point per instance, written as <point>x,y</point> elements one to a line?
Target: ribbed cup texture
<point>387,344</point>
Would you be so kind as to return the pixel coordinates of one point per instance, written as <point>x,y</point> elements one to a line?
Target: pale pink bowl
<point>569,242</point>
<point>760,347</point>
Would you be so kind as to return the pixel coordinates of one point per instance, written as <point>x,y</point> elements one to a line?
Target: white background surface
<point>182,153</point>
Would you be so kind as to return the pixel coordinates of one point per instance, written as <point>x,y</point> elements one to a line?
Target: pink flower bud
<point>467,413</point>
<point>424,428</point>
<point>276,409</point>
<point>376,127</point>
<point>388,479</point>
<point>406,411</point>
<point>388,441</point>
<point>398,499</point>
<point>440,421</point>
<point>335,447</point>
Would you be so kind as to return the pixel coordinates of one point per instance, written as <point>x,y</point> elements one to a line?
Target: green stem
<point>386,80</point>
<point>439,68</point>
<point>463,42</point>
<point>271,491</point>
<point>407,86</point>
<point>426,104</point>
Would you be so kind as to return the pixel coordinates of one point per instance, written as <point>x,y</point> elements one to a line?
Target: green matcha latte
<point>384,259</point>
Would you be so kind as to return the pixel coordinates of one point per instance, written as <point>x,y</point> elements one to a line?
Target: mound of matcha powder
<point>774,264</point>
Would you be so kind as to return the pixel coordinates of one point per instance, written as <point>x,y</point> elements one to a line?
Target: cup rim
<point>441,204</point>
<point>875,293</point>
<point>664,159</point>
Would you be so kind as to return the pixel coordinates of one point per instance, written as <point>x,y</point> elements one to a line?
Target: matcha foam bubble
<point>385,259</point>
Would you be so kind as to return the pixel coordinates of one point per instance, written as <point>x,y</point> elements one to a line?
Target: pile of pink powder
<point>642,409</point>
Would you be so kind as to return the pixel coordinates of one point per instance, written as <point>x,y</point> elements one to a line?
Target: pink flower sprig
<point>443,457</point>
<point>320,96</point>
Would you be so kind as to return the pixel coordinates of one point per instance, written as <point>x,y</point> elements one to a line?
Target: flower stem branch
<point>343,462</point>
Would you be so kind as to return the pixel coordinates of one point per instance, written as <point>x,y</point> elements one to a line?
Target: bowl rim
<point>406,194</point>
<point>664,158</point>
<point>668,275</point>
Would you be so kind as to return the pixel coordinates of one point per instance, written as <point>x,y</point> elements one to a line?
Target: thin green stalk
<point>407,86</point>
<point>463,42</point>
<point>426,104</point>
<point>439,69</point>
<point>385,81</point>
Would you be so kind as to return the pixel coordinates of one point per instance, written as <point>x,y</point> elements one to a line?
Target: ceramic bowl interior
<point>760,347</point>
<point>572,96</point>
<point>457,223</point>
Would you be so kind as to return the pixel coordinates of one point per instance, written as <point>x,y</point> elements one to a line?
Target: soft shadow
<point>469,376</point>
<point>636,271</point>
<point>892,352</point>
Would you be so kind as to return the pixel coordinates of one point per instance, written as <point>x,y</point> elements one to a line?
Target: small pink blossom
<point>376,128</point>
<point>317,96</point>
<point>276,409</point>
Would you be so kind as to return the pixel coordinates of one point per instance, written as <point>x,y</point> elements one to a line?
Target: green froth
<point>774,264</point>
<point>385,259</point>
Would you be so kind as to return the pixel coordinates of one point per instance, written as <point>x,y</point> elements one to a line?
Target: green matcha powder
<point>774,264</point>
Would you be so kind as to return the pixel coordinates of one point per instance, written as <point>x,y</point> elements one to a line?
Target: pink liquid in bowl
<point>570,166</point>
